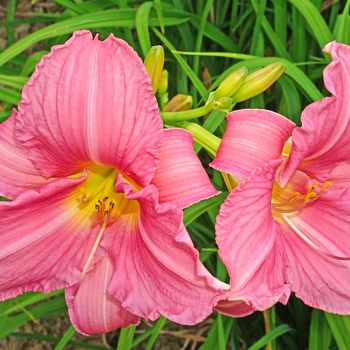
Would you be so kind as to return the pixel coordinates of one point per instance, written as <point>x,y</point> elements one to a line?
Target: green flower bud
<point>259,81</point>
<point>163,84</point>
<point>179,103</point>
<point>231,83</point>
<point>154,63</point>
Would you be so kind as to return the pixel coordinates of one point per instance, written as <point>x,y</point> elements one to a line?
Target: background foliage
<point>204,41</point>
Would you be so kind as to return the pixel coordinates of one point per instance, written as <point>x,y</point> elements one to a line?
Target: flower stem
<point>203,137</point>
<point>175,117</point>
<point>270,324</point>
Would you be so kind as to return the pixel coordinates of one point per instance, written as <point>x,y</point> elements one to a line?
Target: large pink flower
<point>97,189</point>
<point>286,227</point>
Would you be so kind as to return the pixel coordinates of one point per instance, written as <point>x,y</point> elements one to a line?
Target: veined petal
<point>46,239</point>
<point>17,172</point>
<point>249,246</point>
<point>324,138</point>
<point>92,309</point>
<point>320,280</point>
<point>340,175</point>
<point>157,270</point>
<point>91,101</point>
<point>253,137</point>
<point>234,308</point>
<point>180,177</point>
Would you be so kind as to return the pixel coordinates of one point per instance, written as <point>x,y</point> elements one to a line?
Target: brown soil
<point>172,337</point>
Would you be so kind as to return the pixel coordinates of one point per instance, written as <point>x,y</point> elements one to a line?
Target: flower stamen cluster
<point>297,200</point>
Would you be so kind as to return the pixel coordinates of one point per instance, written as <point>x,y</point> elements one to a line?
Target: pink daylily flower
<point>286,227</point>
<point>97,189</point>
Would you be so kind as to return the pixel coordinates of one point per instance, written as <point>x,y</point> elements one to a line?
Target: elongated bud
<point>179,103</point>
<point>206,77</point>
<point>163,84</point>
<point>259,81</point>
<point>154,63</point>
<point>231,83</point>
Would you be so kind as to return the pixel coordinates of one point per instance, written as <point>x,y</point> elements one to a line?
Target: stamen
<point>99,208</point>
<point>310,196</point>
<point>312,188</point>
<point>325,185</point>
<point>93,251</point>
<point>297,201</point>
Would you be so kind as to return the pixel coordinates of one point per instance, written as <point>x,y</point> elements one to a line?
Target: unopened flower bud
<point>224,103</point>
<point>259,81</point>
<point>179,103</point>
<point>154,63</point>
<point>163,84</point>
<point>231,83</point>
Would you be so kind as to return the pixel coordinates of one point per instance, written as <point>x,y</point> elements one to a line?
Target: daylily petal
<point>17,172</point>
<point>47,239</point>
<point>157,270</point>
<point>253,137</point>
<point>245,220</point>
<point>319,280</point>
<point>91,101</point>
<point>92,309</point>
<point>234,308</point>
<point>180,177</point>
<point>340,175</point>
<point>324,138</point>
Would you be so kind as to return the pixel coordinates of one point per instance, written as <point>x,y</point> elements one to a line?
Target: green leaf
<point>9,96</point>
<point>320,333</point>
<point>340,327</point>
<point>197,209</point>
<point>48,338</point>
<point>158,4</point>
<point>253,63</point>
<point>162,321</point>
<point>275,333</point>
<point>15,81</point>
<point>184,65</point>
<point>11,11</point>
<point>142,27</point>
<point>290,101</point>
<point>342,26</point>
<point>317,24</point>
<point>32,61</point>
<point>219,333</point>
<point>65,339</point>
<point>108,18</point>
<point>126,337</point>
<point>279,47</point>
<point>51,307</point>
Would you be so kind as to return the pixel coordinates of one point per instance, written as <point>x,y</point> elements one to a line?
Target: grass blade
<point>126,337</point>
<point>142,28</point>
<point>65,339</point>
<point>320,333</point>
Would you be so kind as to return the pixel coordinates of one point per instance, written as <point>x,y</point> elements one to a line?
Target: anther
<point>312,188</point>
<point>325,185</point>
<point>310,196</point>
